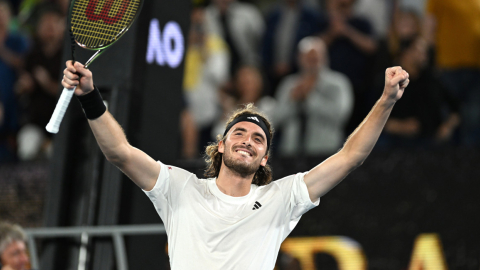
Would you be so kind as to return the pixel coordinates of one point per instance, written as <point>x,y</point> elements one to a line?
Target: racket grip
<point>62,105</point>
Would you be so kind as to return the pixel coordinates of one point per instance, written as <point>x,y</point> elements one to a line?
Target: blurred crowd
<point>317,67</point>
<point>31,39</point>
<point>314,67</point>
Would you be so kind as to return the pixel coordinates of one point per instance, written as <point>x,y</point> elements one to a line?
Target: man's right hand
<point>79,76</point>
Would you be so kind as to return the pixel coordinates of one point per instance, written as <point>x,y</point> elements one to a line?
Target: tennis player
<point>238,218</point>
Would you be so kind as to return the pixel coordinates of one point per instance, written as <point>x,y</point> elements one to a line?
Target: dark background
<point>384,205</point>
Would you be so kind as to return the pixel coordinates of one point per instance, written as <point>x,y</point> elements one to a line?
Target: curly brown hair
<point>213,158</point>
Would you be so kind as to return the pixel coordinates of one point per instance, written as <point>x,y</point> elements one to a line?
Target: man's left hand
<point>396,80</point>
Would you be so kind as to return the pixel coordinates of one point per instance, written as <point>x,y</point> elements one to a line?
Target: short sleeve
<point>164,195</point>
<point>162,185</point>
<point>300,199</point>
<point>297,201</point>
<point>159,193</point>
<point>296,195</point>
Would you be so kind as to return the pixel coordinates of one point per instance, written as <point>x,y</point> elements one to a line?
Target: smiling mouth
<point>245,153</point>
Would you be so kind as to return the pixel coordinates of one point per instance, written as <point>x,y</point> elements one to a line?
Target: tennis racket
<point>94,25</point>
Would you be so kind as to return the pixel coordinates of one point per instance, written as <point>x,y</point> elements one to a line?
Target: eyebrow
<point>239,129</point>
<point>255,133</point>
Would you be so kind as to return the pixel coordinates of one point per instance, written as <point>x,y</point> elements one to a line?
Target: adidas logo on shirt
<point>256,206</point>
<point>253,118</point>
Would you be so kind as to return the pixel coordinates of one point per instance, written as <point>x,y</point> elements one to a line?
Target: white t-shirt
<point>208,229</point>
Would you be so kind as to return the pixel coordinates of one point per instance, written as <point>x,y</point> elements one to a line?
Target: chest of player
<point>203,214</point>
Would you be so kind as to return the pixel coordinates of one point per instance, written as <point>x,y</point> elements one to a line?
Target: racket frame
<point>53,125</point>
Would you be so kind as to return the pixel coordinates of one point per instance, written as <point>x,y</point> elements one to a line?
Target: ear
<point>221,147</point>
<point>264,161</point>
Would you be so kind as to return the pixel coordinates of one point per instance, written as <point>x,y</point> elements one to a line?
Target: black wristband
<point>92,104</point>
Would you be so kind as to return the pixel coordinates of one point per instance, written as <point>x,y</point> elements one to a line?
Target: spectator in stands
<point>39,85</point>
<point>420,119</point>
<point>458,57</point>
<point>206,70</point>
<point>12,47</point>
<point>351,44</point>
<point>313,105</point>
<point>241,25</point>
<point>13,248</point>
<point>287,24</point>
<point>31,10</point>
<point>190,135</point>
<point>378,12</point>
<point>247,87</point>
<point>406,25</point>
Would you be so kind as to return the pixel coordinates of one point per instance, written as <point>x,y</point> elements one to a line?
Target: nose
<point>247,141</point>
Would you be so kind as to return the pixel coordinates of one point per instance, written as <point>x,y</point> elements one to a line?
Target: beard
<point>240,168</point>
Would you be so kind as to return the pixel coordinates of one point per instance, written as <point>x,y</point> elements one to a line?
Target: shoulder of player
<point>180,173</point>
<point>280,189</point>
<point>176,172</point>
<point>284,183</point>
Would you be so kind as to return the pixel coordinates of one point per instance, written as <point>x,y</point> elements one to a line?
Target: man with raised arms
<point>237,218</point>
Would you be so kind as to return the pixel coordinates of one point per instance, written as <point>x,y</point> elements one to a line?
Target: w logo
<point>92,4</point>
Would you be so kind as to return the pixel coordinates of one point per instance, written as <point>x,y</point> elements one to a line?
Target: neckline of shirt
<point>227,198</point>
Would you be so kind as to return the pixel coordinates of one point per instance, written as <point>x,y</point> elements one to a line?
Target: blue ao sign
<point>165,47</point>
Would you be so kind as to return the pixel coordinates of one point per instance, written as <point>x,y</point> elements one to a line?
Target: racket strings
<point>101,33</point>
<point>107,19</point>
<point>98,23</point>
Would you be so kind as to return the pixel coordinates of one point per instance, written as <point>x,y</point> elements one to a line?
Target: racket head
<point>97,24</point>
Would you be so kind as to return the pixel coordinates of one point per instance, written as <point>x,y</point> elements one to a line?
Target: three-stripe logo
<point>256,205</point>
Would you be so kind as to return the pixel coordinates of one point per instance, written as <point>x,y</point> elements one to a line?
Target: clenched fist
<point>396,79</point>
<point>77,75</point>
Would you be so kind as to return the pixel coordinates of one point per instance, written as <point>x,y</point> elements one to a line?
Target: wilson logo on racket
<point>92,5</point>
<point>87,30</point>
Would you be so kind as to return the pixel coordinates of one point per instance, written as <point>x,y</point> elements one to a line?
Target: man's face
<point>244,150</point>
<point>15,256</point>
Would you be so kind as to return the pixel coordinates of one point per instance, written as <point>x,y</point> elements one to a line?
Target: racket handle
<point>62,105</point>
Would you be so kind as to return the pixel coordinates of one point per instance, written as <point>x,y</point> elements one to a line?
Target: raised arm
<point>358,146</point>
<point>137,165</point>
